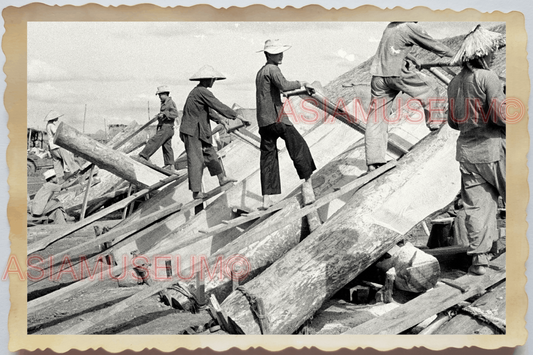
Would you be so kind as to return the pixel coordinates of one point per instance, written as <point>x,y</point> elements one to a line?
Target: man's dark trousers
<point>269,162</point>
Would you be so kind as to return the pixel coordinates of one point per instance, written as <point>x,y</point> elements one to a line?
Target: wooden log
<point>106,158</point>
<point>43,243</point>
<point>426,179</point>
<point>429,303</point>
<point>241,243</point>
<point>107,179</point>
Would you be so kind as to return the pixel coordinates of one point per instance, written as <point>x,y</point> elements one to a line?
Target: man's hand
<point>244,120</point>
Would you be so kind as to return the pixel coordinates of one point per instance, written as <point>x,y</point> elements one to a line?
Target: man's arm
<point>494,90</point>
<point>419,36</point>
<point>283,84</point>
<point>169,110</point>
<point>218,106</point>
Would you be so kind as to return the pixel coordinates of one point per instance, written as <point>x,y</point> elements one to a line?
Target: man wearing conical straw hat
<point>392,74</point>
<point>64,163</point>
<point>195,130</point>
<point>477,109</point>
<point>274,124</point>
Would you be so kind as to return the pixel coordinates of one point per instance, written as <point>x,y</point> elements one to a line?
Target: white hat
<point>274,46</point>
<point>51,115</point>
<point>162,89</point>
<point>207,72</point>
<point>49,174</point>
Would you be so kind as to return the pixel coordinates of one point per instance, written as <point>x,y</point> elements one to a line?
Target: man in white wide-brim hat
<point>164,131</point>
<point>195,130</point>
<point>63,159</point>
<point>392,74</point>
<point>274,123</point>
<point>476,104</point>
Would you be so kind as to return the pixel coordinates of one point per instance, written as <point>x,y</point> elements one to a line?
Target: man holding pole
<point>274,124</point>
<point>165,130</point>
<point>392,74</point>
<point>195,130</point>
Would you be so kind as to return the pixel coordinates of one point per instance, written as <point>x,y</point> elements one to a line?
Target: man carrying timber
<point>165,130</point>
<point>392,74</point>
<point>477,109</point>
<point>274,123</point>
<point>195,130</point>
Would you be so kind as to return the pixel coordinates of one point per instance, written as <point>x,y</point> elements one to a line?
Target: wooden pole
<point>84,115</point>
<point>86,196</point>
<point>105,157</point>
<point>344,246</point>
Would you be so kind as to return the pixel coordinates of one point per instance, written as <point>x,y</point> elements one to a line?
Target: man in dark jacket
<point>274,124</point>
<point>195,130</point>
<point>165,130</point>
<point>392,74</point>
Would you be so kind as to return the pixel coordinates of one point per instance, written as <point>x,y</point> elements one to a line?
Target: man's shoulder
<point>269,68</point>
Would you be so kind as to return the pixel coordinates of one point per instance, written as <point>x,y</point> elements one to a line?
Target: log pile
<point>292,264</point>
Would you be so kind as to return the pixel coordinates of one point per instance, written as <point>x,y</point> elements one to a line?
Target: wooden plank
<point>43,243</point>
<point>429,303</point>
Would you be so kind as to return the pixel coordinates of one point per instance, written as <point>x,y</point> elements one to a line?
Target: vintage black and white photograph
<point>259,178</point>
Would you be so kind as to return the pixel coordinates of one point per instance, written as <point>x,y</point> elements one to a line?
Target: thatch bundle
<point>477,44</point>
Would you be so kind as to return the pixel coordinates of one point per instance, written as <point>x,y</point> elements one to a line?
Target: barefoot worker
<point>165,130</point>
<point>392,74</point>
<point>472,94</point>
<point>195,130</point>
<point>64,163</point>
<point>274,124</point>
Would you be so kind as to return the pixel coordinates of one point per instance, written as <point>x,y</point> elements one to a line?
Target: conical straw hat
<point>274,46</point>
<point>477,44</point>
<point>207,72</point>
<point>51,115</point>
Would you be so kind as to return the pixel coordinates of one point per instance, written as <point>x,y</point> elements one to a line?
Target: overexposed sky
<point>115,67</point>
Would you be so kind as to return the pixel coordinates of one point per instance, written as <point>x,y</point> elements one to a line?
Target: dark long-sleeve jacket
<point>397,41</point>
<point>470,96</point>
<point>169,110</point>
<point>196,113</point>
<point>269,83</point>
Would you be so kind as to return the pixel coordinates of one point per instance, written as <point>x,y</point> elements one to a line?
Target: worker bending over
<point>45,204</point>
<point>392,74</point>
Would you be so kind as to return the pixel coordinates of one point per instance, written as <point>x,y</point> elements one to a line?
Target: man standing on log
<point>64,163</point>
<point>477,109</point>
<point>165,130</point>
<point>195,130</point>
<point>392,74</point>
<point>274,124</point>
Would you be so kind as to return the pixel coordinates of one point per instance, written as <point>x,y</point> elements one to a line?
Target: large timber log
<point>373,220</point>
<point>105,157</point>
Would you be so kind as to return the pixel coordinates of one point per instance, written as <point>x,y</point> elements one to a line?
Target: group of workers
<point>480,146</point>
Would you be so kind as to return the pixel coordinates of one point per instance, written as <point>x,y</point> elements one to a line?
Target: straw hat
<point>162,89</point>
<point>52,115</point>
<point>274,46</point>
<point>49,174</point>
<point>207,72</point>
<point>477,44</point>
